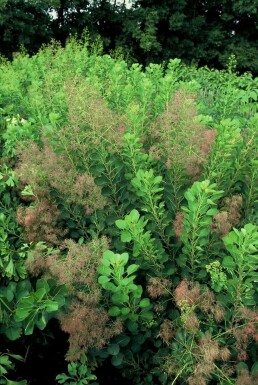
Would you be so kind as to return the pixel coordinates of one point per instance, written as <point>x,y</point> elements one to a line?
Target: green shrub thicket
<point>129,213</point>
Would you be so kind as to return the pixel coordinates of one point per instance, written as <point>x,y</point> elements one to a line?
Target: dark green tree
<point>23,23</point>
<point>205,32</point>
<point>100,17</point>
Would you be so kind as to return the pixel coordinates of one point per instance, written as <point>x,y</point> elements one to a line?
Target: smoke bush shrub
<point>137,196</point>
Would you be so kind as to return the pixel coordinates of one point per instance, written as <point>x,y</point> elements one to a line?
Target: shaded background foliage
<point>199,32</point>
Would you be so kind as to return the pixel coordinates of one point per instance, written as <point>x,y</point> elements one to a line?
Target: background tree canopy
<point>197,31</point>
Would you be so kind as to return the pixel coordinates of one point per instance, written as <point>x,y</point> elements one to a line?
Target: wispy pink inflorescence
<point>158,287</point>
<point>87,327</point>
<point>208,140</point>
<point>178,225</point>
<point>178,135</point>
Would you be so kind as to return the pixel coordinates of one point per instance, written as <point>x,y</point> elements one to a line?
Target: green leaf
<point>62,378</point>
<point>40,294</point>
<point>113,349</point>
<point>228,263</point>
<point>125,311</point>
<point>132,269</point>
<point>13,333</point>
<point>253,95</point>
<point>145,302</point>
<point>147,316</point>
<point>134,317</point>
<point>29,326</point>
<point>204,232</point>
<point>136,183</point>
<point>123,340</point>
<point>132,326</point>
<point>16,357</point>
<point>110,286</point>
<point>134,215</point>
<point>254,369</point>
<point>2,371</point>
<point>23,382</point>
<point>119,298</point>
<point>241,365</point>
<point>9,294</point>
<point>103,279</point>
<point>10,269</point>
<point>42,284</point>
<point>41,322</point>
<point>27,191</point>
<point>133,288</point>
<point>138,292</point>
<point>101,181</point>
<point>127,281</point>
<point>114,311</point>
<point>212,211</point>
<point>72,369</point>
<point>157,180</point>
<point>121,224</point>
<point>126,236</point>
<point>107,257</point>
<point>104,270</point>
<point>21,314</point>
<point>4,360</point>
<point>123,258</point>
<point>51,306</point>
<point>117,359</point>
<point>189,196</point>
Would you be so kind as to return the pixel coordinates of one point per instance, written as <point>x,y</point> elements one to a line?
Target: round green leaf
<point>113,349</point>
<point>114,311</point>
<point>117,359</point>
<point>120,224</point>
<point>134,216</point>
<point>145,302</point>
<point>125,311</point>
<point>147,316</point>
<point>126,236</point>
<point>104,270</point>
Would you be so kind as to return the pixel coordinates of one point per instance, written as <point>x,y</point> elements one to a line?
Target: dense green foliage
<point>150,31</point>
<point>129,213</point>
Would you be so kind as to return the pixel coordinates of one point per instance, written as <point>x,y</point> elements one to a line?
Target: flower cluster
<point>167,331</point>
<point>87,326</point>
<point>230,215</point>
<point>245,331</point>
<point>90,122</point>
<point>158,287</point>
<point>46,170</point>
<point>244,378</point>
<point>41,222</point>
<point>178,225</point>
<point>190,297</point>
<point>178,136</point>
<point>207,352</point>
<point>86,322</point>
